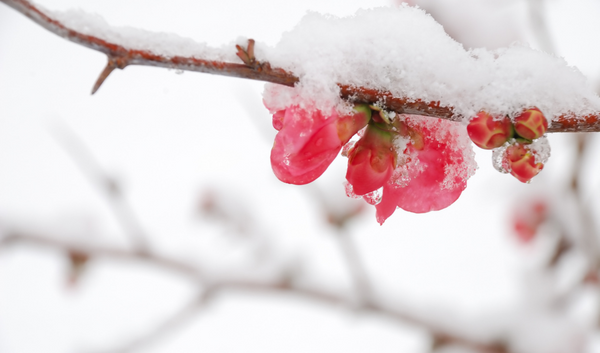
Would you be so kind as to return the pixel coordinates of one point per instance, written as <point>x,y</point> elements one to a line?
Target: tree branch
<point>121,57</point>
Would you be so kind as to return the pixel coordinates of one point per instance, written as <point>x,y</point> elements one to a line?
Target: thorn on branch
<point>113,63</point>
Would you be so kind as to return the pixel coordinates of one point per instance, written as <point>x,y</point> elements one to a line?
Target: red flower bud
<point>531,124</point>
<point>522,163</point>
<point>371,160</point>
<point>489,133</point>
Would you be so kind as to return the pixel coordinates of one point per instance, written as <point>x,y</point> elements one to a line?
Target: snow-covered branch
<point>124,49</point>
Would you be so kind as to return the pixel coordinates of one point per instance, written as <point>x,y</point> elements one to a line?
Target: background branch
<point>214,286</point>
<point>355,266</point>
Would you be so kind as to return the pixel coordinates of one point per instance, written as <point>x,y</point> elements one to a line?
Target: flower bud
<point>531,124</point>
<point>371,160</point>
<point>522,163</point>
<point>488,133</point>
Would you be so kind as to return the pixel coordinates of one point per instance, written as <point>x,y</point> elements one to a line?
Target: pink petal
<point>426,192</point>
<point>305,146</point>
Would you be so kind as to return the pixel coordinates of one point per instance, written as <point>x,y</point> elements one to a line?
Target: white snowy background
<point>171,138</point>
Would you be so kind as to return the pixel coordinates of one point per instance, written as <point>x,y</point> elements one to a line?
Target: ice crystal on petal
<point>350,191</point>
<point>347,147</point>
<point>499,159</point>
<point>540,149</point>
<point>374,197</point>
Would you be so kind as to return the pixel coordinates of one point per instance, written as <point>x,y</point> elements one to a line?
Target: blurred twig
<point>589,236</point>
<point>108,186</point>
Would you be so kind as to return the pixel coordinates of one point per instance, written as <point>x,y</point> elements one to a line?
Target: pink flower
<point>439,176</point>
<point>308,141</point>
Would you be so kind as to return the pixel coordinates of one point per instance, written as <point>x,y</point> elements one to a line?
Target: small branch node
<point>247,55</point>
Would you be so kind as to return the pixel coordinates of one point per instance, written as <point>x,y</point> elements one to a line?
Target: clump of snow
<point>165,44</point>
<point>404,51</point>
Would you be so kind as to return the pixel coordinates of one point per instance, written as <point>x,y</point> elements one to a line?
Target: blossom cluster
<point>418,164</point>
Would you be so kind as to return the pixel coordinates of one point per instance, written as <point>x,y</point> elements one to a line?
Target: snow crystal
<point>404,51</point>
